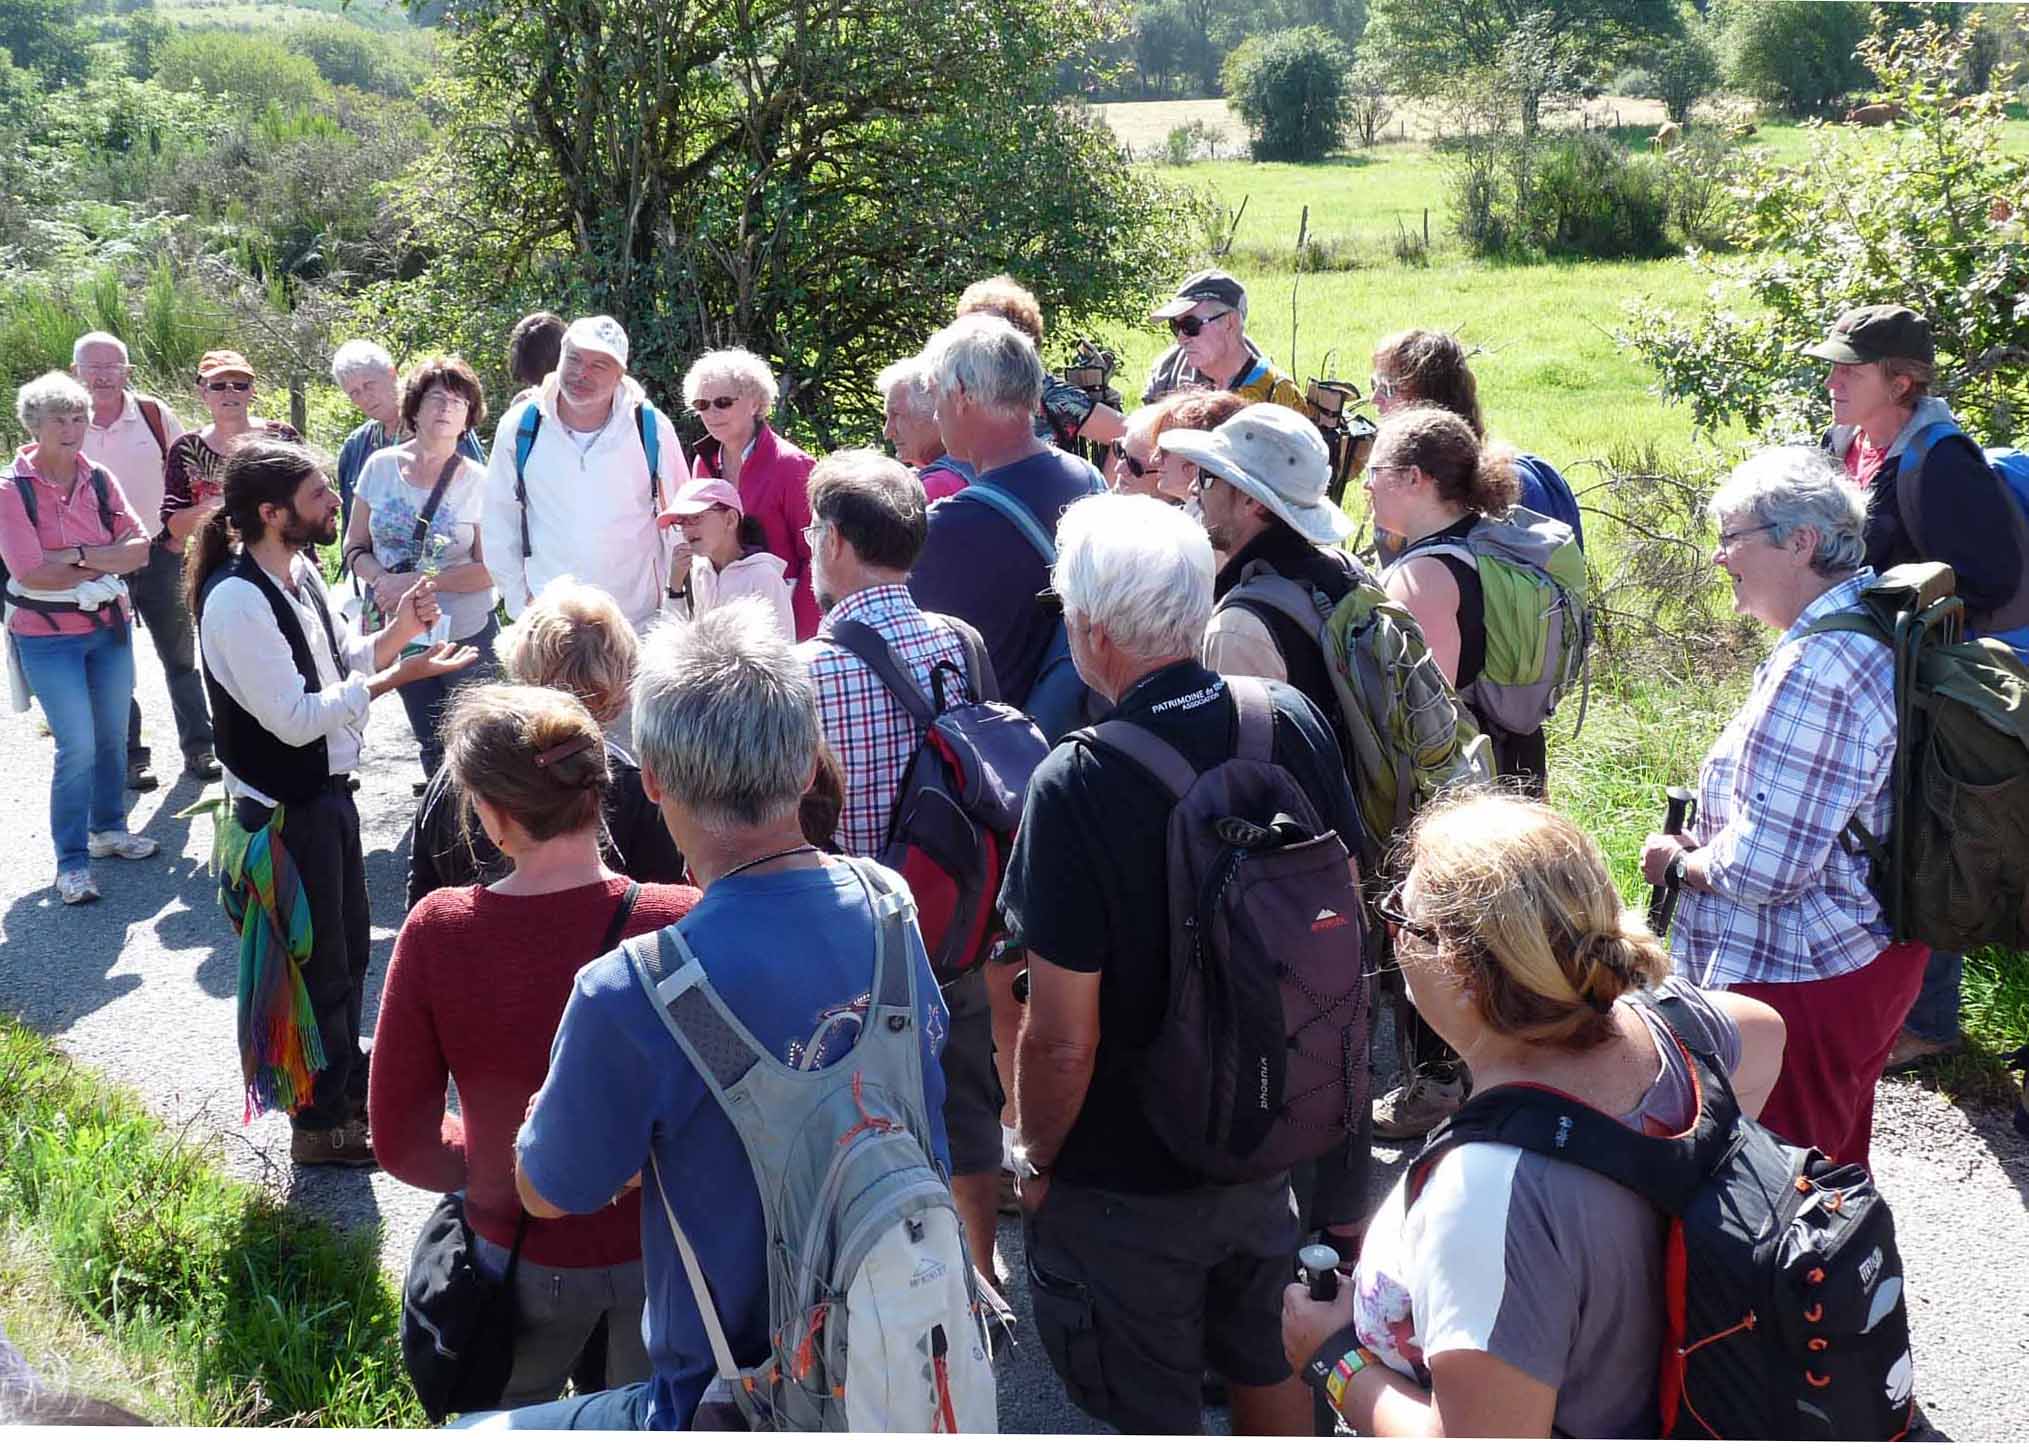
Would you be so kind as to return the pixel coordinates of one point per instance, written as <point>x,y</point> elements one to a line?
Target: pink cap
<point>700,494</point>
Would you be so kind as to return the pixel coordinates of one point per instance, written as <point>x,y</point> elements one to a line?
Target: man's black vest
<point>290,774</point>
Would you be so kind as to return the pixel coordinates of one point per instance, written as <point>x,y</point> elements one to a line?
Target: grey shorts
<point>1135,1296</point>
<point>972,1095</point>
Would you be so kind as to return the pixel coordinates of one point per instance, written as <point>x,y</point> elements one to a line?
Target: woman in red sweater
<point>477,986</point>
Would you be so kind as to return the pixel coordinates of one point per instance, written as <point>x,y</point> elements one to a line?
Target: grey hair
<point>95,339</point>
<point>359,356</point>
<point>1141,568</point>
<point>1799,487</point>
<point>991,359</point>
<point>918,393</point>
<point>48,396</point>
<point>725,715</point>
<point>749,372</point>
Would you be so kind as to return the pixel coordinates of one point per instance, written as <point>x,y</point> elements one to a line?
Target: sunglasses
<point>1134,466</point>
<point>1389,909</point>
<point>230,385</point>
<point>708,405</point>
<point>1382,389</point>
<point>1192,326</point>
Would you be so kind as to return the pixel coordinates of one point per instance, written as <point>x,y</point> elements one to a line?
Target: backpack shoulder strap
<point>1015,512</point>
<point>102,492</point>
<point>28,504</point>
<point>1146,749</point>
<point>1909,478</point>
<point>1857,621</point>
<point>978,663</point>
<point>646,420</point>
<point>151,414</point>
<point>871,648</point>
<point>1254,718</point>
<point>524,444</point>
<point>1286,596</point>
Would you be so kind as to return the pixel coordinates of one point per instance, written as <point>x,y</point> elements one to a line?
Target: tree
<point>1685,67</point>
<point>252,69</point>
<point>814,181</point>
<point>45,36</point>
<point>1370,105</point>
<point>1930,216</point>
<point>1429,44</point>
<point>346,54</point>
<point>1793,53</point>
<point>1290,89</point>
<point>1159,41</point>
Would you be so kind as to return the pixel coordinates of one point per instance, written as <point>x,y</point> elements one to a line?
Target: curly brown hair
<point>451,372</point>
<point>1442,444</point>
<point>1007,299</point>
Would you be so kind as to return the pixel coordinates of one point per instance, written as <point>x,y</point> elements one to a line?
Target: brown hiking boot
<point>348,1145</point>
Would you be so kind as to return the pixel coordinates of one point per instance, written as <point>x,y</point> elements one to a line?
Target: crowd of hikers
<point>817,858</point>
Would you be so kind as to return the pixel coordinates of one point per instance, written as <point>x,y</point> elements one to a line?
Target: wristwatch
<point>1677,870</point>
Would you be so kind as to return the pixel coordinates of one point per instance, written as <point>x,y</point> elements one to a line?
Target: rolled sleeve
<point>248,654</point>
<point>1808,762</point>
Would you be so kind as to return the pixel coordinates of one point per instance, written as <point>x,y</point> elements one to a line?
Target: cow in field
<point>1667,135</point>
<point>1879,114</point>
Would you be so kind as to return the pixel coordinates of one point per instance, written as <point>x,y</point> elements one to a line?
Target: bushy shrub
<point>348,55</point>
<point>1290,89</point>
<point>1590,198</point>
<point>1635,81</point>
<point>1185,144</point>
<point>251,69</point>
<point>1686,68</point>
<point>1793,53</point>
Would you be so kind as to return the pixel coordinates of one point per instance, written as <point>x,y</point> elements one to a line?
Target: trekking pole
<point>1683,808</point>
<point>1320,1271</point>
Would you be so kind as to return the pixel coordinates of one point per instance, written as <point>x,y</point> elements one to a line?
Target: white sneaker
<point>1415,1105</point>
<point>124,844</point>
<point>76,887</point>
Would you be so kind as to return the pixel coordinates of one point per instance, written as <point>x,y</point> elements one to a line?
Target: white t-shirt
<point>1542,1264</point>
<point>393,505</point>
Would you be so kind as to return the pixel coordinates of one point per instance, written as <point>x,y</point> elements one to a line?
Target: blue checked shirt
<point>868,729</point>
<point>1811,748</point>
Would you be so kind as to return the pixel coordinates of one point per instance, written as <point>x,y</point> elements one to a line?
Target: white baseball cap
<point>598,334</point>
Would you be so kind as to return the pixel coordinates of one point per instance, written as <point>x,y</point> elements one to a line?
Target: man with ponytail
<point>290,685</point>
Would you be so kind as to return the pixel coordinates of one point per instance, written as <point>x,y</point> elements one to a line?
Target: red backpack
<point>953,823</point>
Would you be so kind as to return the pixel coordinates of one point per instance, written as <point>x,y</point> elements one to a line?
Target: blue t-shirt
<point>792,956</point>
<point>979,566</point>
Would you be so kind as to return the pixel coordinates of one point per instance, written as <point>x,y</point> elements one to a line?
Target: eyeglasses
<point>107,370</point>
<point>1375,470</point>
<point>1389,909</point>
<point>1134,466</point>
<point>1729,539</point>
<point>230,385</point>
<point>813,532</point>
<point>1381,389</point>
<point>1192,326</point>
<point>707,405</point>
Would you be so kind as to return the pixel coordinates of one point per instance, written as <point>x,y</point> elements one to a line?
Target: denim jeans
<point>1935,1017</point>
<point>425,699</point>
<point>157,591</point>
<point>626,1408</point>
<point>85,683</point>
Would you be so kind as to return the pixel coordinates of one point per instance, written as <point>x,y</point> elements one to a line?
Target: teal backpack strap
<point>645,423</point>
<point>1015,512</point>
<point>524,444</point>
<point>1909,474</point>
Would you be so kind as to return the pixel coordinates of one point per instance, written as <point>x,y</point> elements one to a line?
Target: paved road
<point>141,987</point>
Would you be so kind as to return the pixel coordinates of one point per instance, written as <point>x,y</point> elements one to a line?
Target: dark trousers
<point>157,591</point>
<point>321,836</point>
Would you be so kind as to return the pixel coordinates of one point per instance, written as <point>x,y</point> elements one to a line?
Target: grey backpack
<point>873,1316</point>
<point>1261,1059</point>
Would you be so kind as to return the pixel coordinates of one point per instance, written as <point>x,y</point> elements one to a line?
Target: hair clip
<point>556,754</point>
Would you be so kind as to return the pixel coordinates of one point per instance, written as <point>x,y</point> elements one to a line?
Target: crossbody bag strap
<point>707,1311</point>
<point>435,501</point>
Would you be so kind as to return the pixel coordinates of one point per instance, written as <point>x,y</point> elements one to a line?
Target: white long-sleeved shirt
<point>590,513</point>
<point>246,653</point>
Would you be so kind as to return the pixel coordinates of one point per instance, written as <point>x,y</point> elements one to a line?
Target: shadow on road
<point>1997,1130</point>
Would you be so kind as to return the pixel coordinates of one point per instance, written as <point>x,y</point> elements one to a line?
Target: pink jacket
<point>775,488</point>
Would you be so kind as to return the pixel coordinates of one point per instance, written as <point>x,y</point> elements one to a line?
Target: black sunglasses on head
<point>1135,467</point>
<point>1192,326</point>
<point>1389,909</point>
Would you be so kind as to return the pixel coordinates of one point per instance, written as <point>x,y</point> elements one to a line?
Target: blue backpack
<point>2010,465</point>
<point>645,417</point>
<point>1059,701</point>
<point>1544,491</point>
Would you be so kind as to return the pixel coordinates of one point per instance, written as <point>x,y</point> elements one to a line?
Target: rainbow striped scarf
<point>280,1050</point>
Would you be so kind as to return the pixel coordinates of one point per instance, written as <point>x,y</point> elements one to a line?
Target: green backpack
<point>1410,736</point>
<point>1953,872</point>
<point>1538,627</point>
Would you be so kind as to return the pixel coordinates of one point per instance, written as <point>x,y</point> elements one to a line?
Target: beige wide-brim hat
<point>1275,456</point>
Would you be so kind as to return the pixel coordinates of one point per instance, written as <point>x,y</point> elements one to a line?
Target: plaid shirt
<point>869,731</point>
<point>1810,749</point>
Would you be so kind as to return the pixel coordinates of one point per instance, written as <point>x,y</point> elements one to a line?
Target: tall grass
<point>254,1313</point>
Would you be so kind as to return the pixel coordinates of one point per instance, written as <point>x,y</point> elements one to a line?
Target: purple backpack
<point>1261,1059</point>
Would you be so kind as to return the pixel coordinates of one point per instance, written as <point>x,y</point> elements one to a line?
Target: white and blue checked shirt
<point>1811,748</point>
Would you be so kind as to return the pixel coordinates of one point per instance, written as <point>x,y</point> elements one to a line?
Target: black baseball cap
<point>1869,334</point>
<point>1210,285</point>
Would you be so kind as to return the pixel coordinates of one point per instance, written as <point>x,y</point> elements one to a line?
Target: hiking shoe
<point>140,777</point>
<point>349,1145</point>
<point>76,887</point>
<point>1415,1105</point>
<point>1912,1051</point>
<point>203,765</point>
<point>124,844</point>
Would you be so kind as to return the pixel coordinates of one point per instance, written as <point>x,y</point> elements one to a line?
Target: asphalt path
<point>141,987</point>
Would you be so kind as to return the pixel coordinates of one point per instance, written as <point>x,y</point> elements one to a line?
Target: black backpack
<point>953,822</point>
<point>47,607</point>
<point>1782,1284</point>
<point>1261,1059</point>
